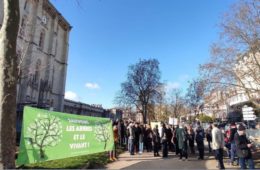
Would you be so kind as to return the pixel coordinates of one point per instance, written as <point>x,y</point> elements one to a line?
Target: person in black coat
<point>137,135</point>
<point>164,141</point>
<point>149,139</point>
<point>175,141</point>
<point>156,141</point>
<point>233,150</point>
<point>209,137</point>
<point>199,137</point>
<point>169,138</point>
<point>191,139</point>
<point>244,149</point>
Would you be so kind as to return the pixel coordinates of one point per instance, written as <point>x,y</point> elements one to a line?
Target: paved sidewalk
<point>148,161</point>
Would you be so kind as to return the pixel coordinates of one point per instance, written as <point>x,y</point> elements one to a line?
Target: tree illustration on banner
<point>102,133</point>
<point>45,131</point>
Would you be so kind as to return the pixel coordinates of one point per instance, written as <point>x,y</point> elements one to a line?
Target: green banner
<point>48,135</point>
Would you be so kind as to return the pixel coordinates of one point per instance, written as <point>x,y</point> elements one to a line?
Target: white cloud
<point>184,77</point>
<point>92,86</point>
<point>172,85</point>
<point>71,96</point>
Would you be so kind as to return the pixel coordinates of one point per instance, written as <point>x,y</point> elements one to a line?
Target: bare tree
<point>8,80</point>
<point>195,94</point>
<point>235,61</point>
<point>140,88</point>
<point>102,133</point>
<point>45,131</point>
<point>177,103</point>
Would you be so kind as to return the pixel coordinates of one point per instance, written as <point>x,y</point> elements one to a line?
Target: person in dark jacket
<point>169,138</point>
<point>156,141</point>
<point>191,139</point>
<point>209,137</point>
<point>149,139</point>
<point>175,141</point>
<point>233,152</point>
<point>164,141</point>
<point>182,139</point>
<point>137,135</point>
<point>200,141</point>
<point>121,132</point>
<point>243,148</point>
<point>145,137</point>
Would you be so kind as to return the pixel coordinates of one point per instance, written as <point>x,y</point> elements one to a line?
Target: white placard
<point>247,109</point>
<point>247,116</point>
<point>248,113</point>
<point>171,120</point>
<point>175,121</point>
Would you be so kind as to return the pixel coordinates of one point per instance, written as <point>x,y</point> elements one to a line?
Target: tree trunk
<point>105,145</point>
<point>145,113</point>
<point>8,80</point>
<point>42,153</point>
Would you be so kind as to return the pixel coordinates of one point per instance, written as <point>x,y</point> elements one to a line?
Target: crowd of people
<point>182,139</point>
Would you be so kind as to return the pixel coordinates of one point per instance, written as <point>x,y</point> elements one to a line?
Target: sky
<point>109,35</point>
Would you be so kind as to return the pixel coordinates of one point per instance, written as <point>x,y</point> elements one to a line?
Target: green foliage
<point>85,161</point>
<point>192,119</point>
<point>93,161</point>
<point>205,119</point>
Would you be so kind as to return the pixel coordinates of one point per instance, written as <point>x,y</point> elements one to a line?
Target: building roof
<point>47,5</point>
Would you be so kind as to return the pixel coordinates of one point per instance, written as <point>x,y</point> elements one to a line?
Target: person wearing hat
<point>218,145</point>
<point>244,148</point>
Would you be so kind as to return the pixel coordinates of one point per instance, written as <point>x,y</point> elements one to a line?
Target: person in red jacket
<point>228,144</point>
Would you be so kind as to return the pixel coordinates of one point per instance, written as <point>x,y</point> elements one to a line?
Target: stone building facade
<point>216,105</point>
<point>229,103</point>
<point>42,50</point>
<point>79,108</point>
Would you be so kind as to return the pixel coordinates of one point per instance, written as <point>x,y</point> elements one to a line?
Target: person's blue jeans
<point>233,152</point>
<point>131,146</point>
<point>165,149</point>
<point>242,163</point>
<point>128,144</point>
<point>141,147</point>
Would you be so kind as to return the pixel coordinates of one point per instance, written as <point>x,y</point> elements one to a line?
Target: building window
<point>41,40</point>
